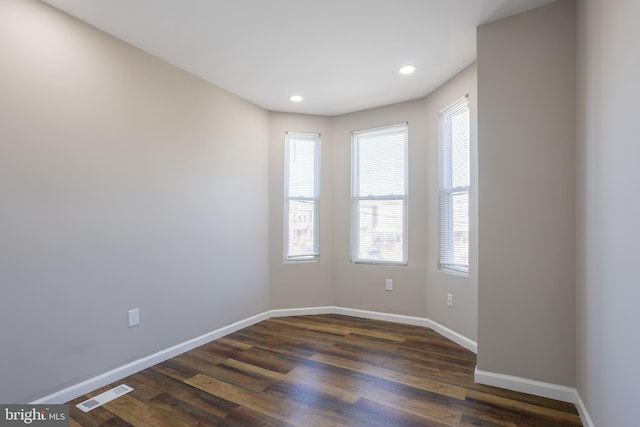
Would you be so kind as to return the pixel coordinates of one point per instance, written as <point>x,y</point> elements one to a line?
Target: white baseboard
<point>525,385</point>
<point>117,374</point>
<point>582,410</point>
<point>303,311</point>
<point>457,338</point>
<point>389,317</point>
<point>553,391</point>
<point>538,388</point>
<point>411,320</point>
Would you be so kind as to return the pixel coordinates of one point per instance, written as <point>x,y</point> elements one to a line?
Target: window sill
<point>454,272</point>
<point>301,261</point>
<point>379,263</point>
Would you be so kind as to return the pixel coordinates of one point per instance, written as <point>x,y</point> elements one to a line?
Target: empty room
<point>330,213</point>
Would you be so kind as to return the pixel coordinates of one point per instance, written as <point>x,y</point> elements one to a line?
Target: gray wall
<point>608,228</point>
<point>124,183</point>
<point>463,317</point>
<point>299,284</point>
<point>127,183</point>
<point>362,286</point>
<point>420,289</point>
<point>526,156</point>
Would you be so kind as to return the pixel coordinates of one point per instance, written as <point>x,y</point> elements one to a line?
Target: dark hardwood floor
<point>324,370</point>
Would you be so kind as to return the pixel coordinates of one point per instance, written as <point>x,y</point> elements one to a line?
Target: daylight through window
<point>379,195</point>
<point>302,219</point>
<point>454,187</point>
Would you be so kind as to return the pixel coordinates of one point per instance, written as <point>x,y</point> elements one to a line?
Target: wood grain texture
<point>322,370</point>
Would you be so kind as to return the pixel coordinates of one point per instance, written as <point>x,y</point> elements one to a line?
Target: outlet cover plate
<point>134,317</point>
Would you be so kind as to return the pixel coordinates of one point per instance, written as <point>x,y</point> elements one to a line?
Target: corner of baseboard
<point>84,387</point>
<point>525,385</point>
<point>585,417</point>
<point>454,336</point>
<point>537,388</point>
<point>301,311</point>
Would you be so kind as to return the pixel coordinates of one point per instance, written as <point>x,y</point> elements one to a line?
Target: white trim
<point>525,385</point>
<point>457,338</point>
<point>292,137</point>
<point>582,410</point>
<point>537,388</point>
<point>106,378</point>
<point>454,103</point>
<point>376,315</point>
<point>357,138</point>
<point>130,368</point>
<point>381,129</point>
<point>302,311</point>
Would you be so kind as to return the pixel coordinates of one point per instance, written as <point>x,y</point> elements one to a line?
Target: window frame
<point>446,249</point>
<point>356,198</point>
<point>314,256</point>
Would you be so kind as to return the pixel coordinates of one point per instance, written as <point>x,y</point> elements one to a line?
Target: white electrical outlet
<point>388,284</point>
<point>450,300</point>
<point>134,317</point>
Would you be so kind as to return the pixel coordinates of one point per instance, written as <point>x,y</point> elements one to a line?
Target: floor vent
<point>103,398</point>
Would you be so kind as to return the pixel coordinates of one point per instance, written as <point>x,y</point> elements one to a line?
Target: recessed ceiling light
<point>295,98</point>
<point>407,69</point>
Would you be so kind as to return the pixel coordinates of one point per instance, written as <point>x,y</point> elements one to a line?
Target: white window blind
<point>379,195</point>
<point>302,191</point>
<point>454,186</point>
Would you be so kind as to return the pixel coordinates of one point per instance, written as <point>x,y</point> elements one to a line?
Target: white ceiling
<point>340,55</point>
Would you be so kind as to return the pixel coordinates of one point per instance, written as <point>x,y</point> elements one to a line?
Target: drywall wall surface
<point>125,183</point>
<point>299,283</point>
<point>608,289</point>
<point>362,286</point>
<point>335,279</point>
<point>463,316</point>
<point>526,164</point>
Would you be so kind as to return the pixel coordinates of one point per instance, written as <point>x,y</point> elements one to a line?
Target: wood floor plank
<point>322,370</point>
<point>140,414</point>
<point>376,414</point>
<point>256,371</point>
<point>97,417</point>
<point>412,380</point>
<point>211,403</point>
<point>285,410</point>
<point>434,410</point>
<point>243,416</point>
<point>183,412</point>
<point>142,390</point>
<point>312,325</point>
<point>174,369</point>
<point>221,372</point>
<point>268,359</point>
<point>524,407</point>
<point>325,381</point>
<point>346,385</point>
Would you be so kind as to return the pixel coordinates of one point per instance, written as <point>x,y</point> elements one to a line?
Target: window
<point>454,187</point>
<point>302,191</point>
<point>379,195</point>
